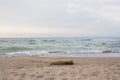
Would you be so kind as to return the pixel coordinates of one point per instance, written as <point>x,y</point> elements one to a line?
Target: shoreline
<point>87,55</point>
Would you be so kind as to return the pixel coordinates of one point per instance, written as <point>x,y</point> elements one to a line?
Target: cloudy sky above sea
<point>59,18</point>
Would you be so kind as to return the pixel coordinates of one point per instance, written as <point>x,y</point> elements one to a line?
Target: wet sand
<point>39,68</point>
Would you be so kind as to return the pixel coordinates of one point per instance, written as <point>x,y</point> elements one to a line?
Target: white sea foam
<point>63,54</point>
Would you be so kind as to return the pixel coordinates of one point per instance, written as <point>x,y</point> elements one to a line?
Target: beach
<point>59,39</point>
<point>39,68</point>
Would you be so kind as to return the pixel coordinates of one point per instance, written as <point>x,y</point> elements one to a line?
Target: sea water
<point>60,47</point>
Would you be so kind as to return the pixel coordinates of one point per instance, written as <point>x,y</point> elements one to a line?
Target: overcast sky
<point>59,18</point>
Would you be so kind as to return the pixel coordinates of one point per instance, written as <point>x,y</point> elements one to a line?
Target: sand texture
<point>39,68</point>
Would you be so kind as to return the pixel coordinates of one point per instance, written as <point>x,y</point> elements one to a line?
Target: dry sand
<point>39,68</point>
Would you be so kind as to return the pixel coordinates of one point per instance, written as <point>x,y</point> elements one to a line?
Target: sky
<point>59,18</point>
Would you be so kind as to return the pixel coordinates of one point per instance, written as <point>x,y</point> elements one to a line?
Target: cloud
<point>65,17</point>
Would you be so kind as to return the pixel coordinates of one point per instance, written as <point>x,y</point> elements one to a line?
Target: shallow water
<point>60,47</point>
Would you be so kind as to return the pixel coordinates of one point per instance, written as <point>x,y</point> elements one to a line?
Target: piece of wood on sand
<point>62,62</point>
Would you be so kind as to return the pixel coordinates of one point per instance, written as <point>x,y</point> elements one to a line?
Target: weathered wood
<point>62,62</point>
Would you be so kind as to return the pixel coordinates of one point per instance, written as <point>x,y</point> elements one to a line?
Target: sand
<point>39,68</point>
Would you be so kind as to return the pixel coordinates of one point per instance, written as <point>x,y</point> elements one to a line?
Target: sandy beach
<point>39,68</point>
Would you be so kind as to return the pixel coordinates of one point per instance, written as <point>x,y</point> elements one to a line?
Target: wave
<point>3,41</point>
<point>14,49</point>
<point>48,40</point>
<point>86,39</point>
<point>110,51</point>
<point>32,43</point>
<point>61,54</point>
<point>32,40</point>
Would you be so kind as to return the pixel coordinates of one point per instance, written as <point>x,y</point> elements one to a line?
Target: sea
<point>60,47</point>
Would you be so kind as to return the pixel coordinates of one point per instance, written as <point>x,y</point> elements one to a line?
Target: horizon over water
<point>61,47</point>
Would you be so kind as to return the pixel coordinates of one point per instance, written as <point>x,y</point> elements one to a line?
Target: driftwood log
<point>62,62</point>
